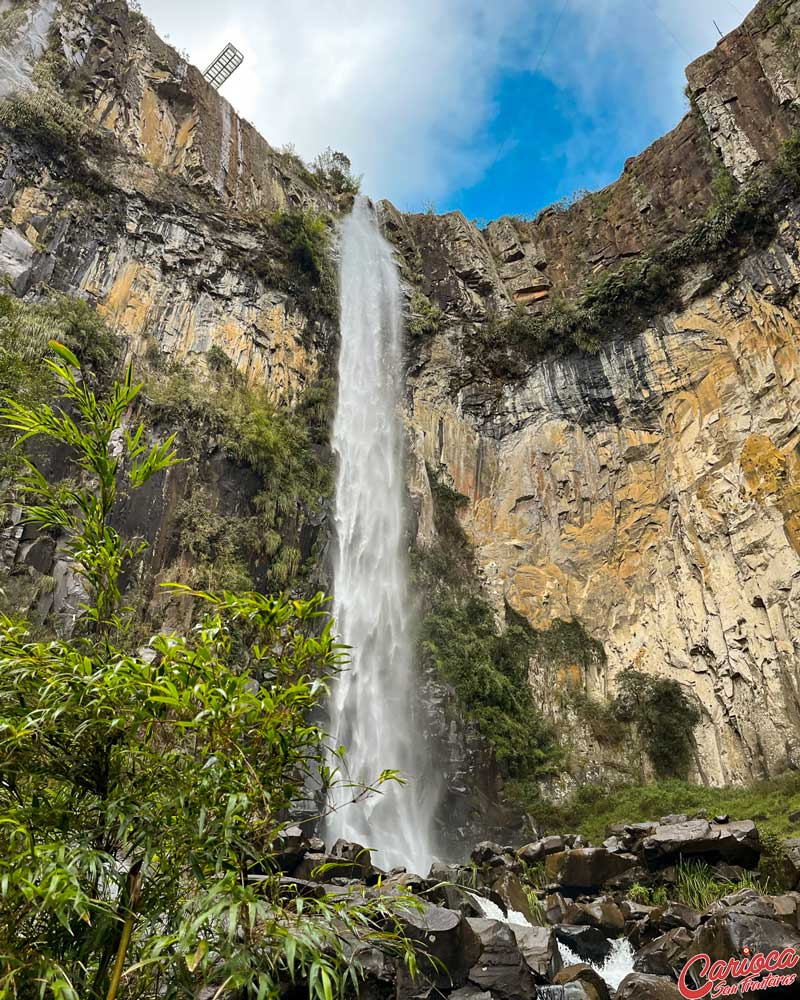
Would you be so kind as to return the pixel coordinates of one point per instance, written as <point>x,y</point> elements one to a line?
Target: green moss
<point>485,662</point>
<point>623,301</point>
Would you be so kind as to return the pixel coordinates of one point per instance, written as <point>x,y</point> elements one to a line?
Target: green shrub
<point>44,116</point>
<point>488,669</point>
<point>333,170</point>
<point>664,719</point>
<point>299,260</point>
<point>592,808</point>
<point>426,317</point>
<point>142,788</point>
<point>276,442</point>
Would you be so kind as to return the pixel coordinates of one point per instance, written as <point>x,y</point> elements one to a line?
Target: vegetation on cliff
<point>621,302</point>
<point>143,785</point>
<point>485,663</point>
<point>282,446</point>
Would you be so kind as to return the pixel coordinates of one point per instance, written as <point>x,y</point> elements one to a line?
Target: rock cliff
<point>649,491</point>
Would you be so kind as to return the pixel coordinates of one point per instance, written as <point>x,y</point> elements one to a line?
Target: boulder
<point>639,986</point>
<point>469,992</point>
<point>501,968</point>
<point>603,913</point>
<point>585,869</point>
<point>746,920</point>
<point>552,845</point>
<point>592,982</point>
<point>791,850</point>
<point>588,943</point>
<point>509,889</point>
<point>555,908</point>
<point>487,853</point>
<point>531,854</point>
<point>666,955</point>
<point>735,843</point>
<point>291,848</point>
<point>455,897</point>
<point>539,948</point>
<point>357,856</point>
<point>679,915</point>
<point>450,946</point>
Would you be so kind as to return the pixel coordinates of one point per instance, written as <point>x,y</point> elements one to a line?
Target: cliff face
<point>649,491</point>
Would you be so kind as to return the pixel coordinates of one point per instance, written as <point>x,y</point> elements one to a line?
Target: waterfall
<point>373,700</point>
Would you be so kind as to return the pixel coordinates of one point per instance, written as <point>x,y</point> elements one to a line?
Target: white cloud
<point>407,90</point>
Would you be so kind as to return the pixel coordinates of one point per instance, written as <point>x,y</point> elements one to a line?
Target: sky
<point>489,106</point>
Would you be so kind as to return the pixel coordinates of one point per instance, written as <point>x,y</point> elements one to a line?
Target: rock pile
<point>502,926</point>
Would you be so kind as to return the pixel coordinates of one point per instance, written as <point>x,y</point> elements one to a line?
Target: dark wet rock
<point>587,868</point>
<point>487,853</point>
<point>450,946</point>
<point>666,955</point>
<point>292,846</point>
<point>745,919</point>
<point>592,981</point>
<point>359,857</point>
<point>555,908</point>
<point>509,889</point>
<point>603,913</point>
<point>679,915</point>
<point>553,844</point>
<point>735,843</point>
<point>639,986</point>
<point>588,943</point>
<point>531,854</point>
<point>539,947</point>
<point>501,968</point>
<point>791,849</point>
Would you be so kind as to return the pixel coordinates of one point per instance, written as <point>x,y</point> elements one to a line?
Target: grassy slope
<point>769,803</point>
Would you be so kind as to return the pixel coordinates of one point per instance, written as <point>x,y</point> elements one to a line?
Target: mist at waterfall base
<point>372,703</point>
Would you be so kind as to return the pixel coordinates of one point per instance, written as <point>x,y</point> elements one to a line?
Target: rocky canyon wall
<point>648,491</point>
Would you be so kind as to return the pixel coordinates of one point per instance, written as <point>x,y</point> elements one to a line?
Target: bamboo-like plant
<point>139,788</point>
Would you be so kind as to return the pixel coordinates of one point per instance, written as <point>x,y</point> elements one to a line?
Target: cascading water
<point>373,701</point>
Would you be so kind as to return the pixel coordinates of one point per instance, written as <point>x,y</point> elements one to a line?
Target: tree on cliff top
<point>139,788</point>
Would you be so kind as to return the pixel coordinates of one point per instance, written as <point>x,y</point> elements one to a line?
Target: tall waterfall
<point>373,701</point>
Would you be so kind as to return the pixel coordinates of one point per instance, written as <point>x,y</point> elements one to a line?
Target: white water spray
<point>373,703</point>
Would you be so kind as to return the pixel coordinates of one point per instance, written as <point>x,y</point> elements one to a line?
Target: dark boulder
<point>501,968</point>
<point>531,854</point>
<point>603,913</point>
<point>587,868</point>
<point>588,943</point>
<point>666,955</point>
<point>291,848</point>
<point>735,843</point>
<point>639,986</point>
<point>355,855</point>
<point>449,945</point>
<point>746,920</point>
<point>679,915</point>
<point>539,947</point>
<point>592,981</point>
<point>509,889</point>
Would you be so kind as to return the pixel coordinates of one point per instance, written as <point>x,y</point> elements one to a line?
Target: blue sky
<point>488,106</point>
